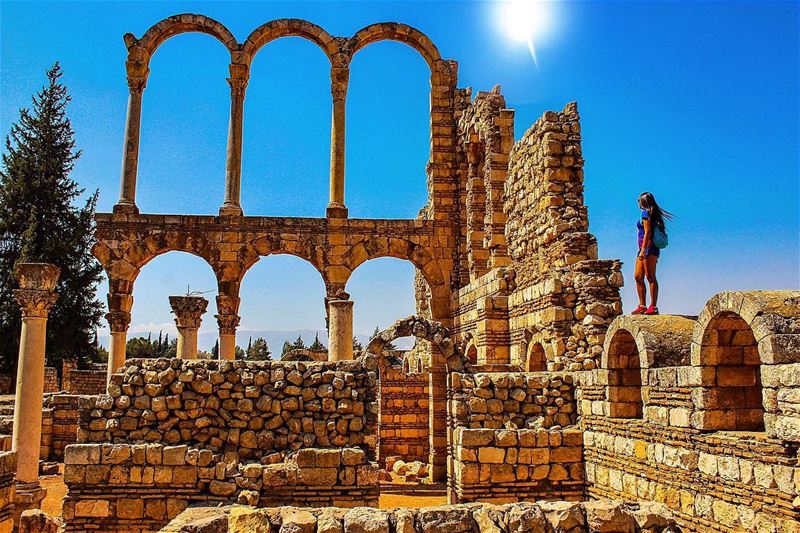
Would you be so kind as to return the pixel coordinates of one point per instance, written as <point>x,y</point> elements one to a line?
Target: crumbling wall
<point>404,415</point>
<point>123,487</point>
<point>8,468</point>
<point>564,298</point>
<point>596,516</point>
<point>512,400</point>
<point>250,408</point>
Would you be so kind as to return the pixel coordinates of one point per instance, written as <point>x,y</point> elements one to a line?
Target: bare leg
<point>638,275</point>
<point>650,271</point>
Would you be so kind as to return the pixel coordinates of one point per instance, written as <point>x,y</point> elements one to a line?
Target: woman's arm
<point>648,237</point>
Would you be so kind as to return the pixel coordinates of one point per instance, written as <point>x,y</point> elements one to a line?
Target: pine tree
<point>215,350</point>
<point>357,346</point>
<point>39,222</point>
<point>316,346</point>
<point>259,351</point>
<point>299,344</point>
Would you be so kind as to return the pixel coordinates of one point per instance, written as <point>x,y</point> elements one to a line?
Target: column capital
<point>340,77</point>
<point>36,295</point>
<point>238,86</point>
<point>188,310</point>
<point>137,75</point>
<point>34,303</point>
<point>118,321</point>
<point>227,324</point>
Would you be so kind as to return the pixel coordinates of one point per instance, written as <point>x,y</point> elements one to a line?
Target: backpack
<point>660,239</point>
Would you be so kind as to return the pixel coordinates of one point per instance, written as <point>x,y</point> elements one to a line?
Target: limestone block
<point>366,520</point>
<point>608,516</point>
<point>36,521</point>
<point>525,518</point>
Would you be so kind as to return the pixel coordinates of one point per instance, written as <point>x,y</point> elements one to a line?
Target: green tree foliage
<point>215,350</point>
<point>258,351</point>
<point>317,346</point>
<point>238,353</point>
<point>357,346</point>
<point>289,346</point>
<point>141,347</point>
<point>40,222</point>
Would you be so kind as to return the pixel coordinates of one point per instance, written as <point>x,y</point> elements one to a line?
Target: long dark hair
<point>657,215</point>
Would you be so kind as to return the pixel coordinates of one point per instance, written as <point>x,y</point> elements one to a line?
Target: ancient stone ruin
<point>530,400</point>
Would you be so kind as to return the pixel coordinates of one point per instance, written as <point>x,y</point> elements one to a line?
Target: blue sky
<point>694,101</point>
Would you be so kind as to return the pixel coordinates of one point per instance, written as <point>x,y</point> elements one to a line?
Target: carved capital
<point>188,310</point>
<point>227,324</point>
<point>136,84</point>
<point>339,79</point>
<point>118,321</point>
<point>238,87</point>
<point>35,303</point>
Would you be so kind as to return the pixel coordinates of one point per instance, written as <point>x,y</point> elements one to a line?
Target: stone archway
<point>446,356</point>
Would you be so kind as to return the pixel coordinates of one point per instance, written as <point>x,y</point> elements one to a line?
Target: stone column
<point>137,80</point>
<point>36,296</point>
<point>118,322</point>
<point>188,312</point>
<point>339,78</point>
<point>340,329</point>
<point>437,417</point>
<point>233,162</point>
<point>228,321</point>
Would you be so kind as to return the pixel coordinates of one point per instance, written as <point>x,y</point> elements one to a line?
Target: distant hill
<point>275,339</point>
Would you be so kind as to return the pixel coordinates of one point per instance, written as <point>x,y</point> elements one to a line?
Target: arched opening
<point>283,303</point>
<point>536,358</point>
<point>388,132</point>
<point>624,391</point>
<point>287,128</point>
<point>153,332</point>
<point>184,127</point>
<point>734,402</point>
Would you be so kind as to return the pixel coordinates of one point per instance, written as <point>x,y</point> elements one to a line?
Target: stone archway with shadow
<point>446,356</point>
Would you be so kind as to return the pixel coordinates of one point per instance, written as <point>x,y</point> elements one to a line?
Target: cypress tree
<point>40,222</point>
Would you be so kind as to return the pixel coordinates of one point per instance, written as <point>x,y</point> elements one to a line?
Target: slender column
<point>233,162</point>
<point>137,80</point>
<point>340,335</point>
<point>36,296</point>
<point>228,321</point>
<point>339,78</point>
<point>188,312</point>
<point>118,322</point>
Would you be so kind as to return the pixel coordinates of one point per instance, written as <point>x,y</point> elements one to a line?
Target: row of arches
<point>721,357</point>
<point>339,52</point>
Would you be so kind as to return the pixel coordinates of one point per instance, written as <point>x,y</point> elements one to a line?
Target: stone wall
<point>66,413</point>
<point>124,487</point>
<point>51,381</point>
<point>250,408</point>
<point>512,400</point>
<point>8,468</point>
<point>701,414</point>
<point>404,415</point>
<point>597,516</point>
<point>509,465</point>
<point>564,297</point>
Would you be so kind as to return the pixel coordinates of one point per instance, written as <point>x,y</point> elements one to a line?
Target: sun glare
<point>525,21</point>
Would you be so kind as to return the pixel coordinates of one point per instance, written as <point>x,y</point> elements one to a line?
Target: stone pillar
<point>228,321</point>
<point>340,334</point>
<point>233,162</point>
<point>36,296</point>
<point>339,78</point>
<point>118,322</point>
<point>437,430</point>
<point>188,312</point>
<point>137,80</point>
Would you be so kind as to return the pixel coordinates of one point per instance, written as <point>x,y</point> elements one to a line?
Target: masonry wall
<point>597,516</point>
<point>8,468</point>
<point>250,408</point>
<point>404,415</point>
<point>139,488</point>
<point>66,414</point>
<point>564,297</point>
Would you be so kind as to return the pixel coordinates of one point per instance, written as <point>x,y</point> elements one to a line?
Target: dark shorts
<point>652,250</point>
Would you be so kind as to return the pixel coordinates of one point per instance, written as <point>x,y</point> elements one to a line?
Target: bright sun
<point>525,20</point>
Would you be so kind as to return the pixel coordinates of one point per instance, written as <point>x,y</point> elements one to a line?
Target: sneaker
<point>639,310</point>
<point>651,310</point>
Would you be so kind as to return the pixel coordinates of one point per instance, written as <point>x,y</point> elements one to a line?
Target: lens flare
<point>525,21</point>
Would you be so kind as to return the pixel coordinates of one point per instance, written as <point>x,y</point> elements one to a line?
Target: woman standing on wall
<point>652,238</point>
